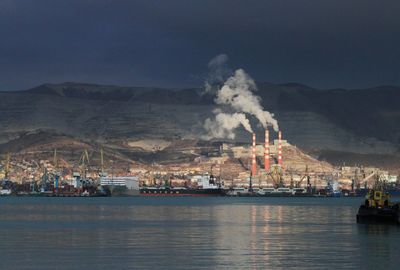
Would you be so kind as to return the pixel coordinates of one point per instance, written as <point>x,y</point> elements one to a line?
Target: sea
<point>192,233</point>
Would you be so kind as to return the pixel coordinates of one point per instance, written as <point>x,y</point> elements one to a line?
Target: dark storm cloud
<point>324,43</point>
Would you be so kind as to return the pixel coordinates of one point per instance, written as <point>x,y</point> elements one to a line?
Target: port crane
<point>7,166</point>
<point>290,171</point>
<point>276,175</point>
<point>84,163</point>
<point>305,176</point>
<point>367,178</point>
<point>56,173</point>
<point>102,161</point>
<point>81,176</point>
<point>55,160</point>
<point>355,183</point>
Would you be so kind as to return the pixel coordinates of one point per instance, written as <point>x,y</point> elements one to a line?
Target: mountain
<point>358,121</point>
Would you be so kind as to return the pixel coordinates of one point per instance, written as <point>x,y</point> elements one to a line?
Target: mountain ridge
<point>355,120</point>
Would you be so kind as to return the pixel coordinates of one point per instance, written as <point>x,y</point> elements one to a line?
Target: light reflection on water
<point>184,233</point>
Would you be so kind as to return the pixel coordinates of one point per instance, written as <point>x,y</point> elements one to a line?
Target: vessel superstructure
<point>207,186</point>
<point>120,185</point>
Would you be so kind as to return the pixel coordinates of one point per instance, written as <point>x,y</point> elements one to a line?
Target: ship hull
<point>181,192</point>
<point>121,191</point>
<point>5,192</point>
<point>276,195</point>
<point>389,215</point>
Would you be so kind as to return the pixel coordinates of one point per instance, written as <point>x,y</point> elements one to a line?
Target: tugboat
<point>377,208</point>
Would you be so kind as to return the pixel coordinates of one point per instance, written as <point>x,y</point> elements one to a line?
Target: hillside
<point>364,121</point>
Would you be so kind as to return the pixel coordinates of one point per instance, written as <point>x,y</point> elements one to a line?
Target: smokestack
<point>253,158</point>
<point>266,151</point>
<point>280,148</point>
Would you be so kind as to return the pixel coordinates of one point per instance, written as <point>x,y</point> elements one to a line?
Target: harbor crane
<point>7,166</point>
<point>56,173</point>
<point>84,163</point>
<point>367,178</point>
<point>276,175</point>
<point>102,161</point>
<point>44,180</point>
<point>305,176</point>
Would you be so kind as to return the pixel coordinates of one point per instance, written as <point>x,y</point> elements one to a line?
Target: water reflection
<point>379,247</point>
<point>190,233</point>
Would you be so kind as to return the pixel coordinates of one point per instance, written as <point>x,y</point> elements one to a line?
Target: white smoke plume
<point>237,92</point>
<point>224,124</point>
<point>218,72</point>
<point>237,95</point>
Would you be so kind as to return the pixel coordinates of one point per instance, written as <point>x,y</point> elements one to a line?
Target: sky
<point>168,43</point>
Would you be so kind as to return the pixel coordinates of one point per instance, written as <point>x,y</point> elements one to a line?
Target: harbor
<point>268,170</point>
<point>254,170</point>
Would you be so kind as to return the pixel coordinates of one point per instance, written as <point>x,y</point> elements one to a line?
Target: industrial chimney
<point>266,151</point>
<point>253,158</point>
<point>280,148</point>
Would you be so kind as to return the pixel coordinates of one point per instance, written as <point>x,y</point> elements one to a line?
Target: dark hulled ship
<point>208,187</point>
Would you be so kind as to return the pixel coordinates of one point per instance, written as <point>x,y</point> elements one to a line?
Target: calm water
<point>192,233</point>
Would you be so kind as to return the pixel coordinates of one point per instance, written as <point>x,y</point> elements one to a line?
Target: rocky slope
<point>353,121</point>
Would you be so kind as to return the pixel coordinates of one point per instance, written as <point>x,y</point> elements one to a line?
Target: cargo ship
<point>272,192</point>
<point>208,187</point>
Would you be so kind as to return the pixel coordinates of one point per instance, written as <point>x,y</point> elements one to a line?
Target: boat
<point>377,208</point>
<point>270,192</point>
<point>6,187</point>
<point>180,191</point>
<point>237,191</point>
<point>120,186</point>
<point>332,189</point>
<point>5,192</point>
<point>283,192</point>
<point>208,186</point>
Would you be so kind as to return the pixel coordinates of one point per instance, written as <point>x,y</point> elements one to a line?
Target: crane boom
<point>7,167</point>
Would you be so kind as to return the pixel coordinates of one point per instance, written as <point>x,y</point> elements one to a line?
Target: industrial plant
<point>260,168</point>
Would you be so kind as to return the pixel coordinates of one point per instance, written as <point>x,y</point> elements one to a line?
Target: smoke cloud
<point>218,72</point>
<point>224,124</point>
<point>237,95</point>
<point>237,92</point>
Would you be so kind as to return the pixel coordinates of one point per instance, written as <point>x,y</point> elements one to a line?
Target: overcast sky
<point>322,43</point>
